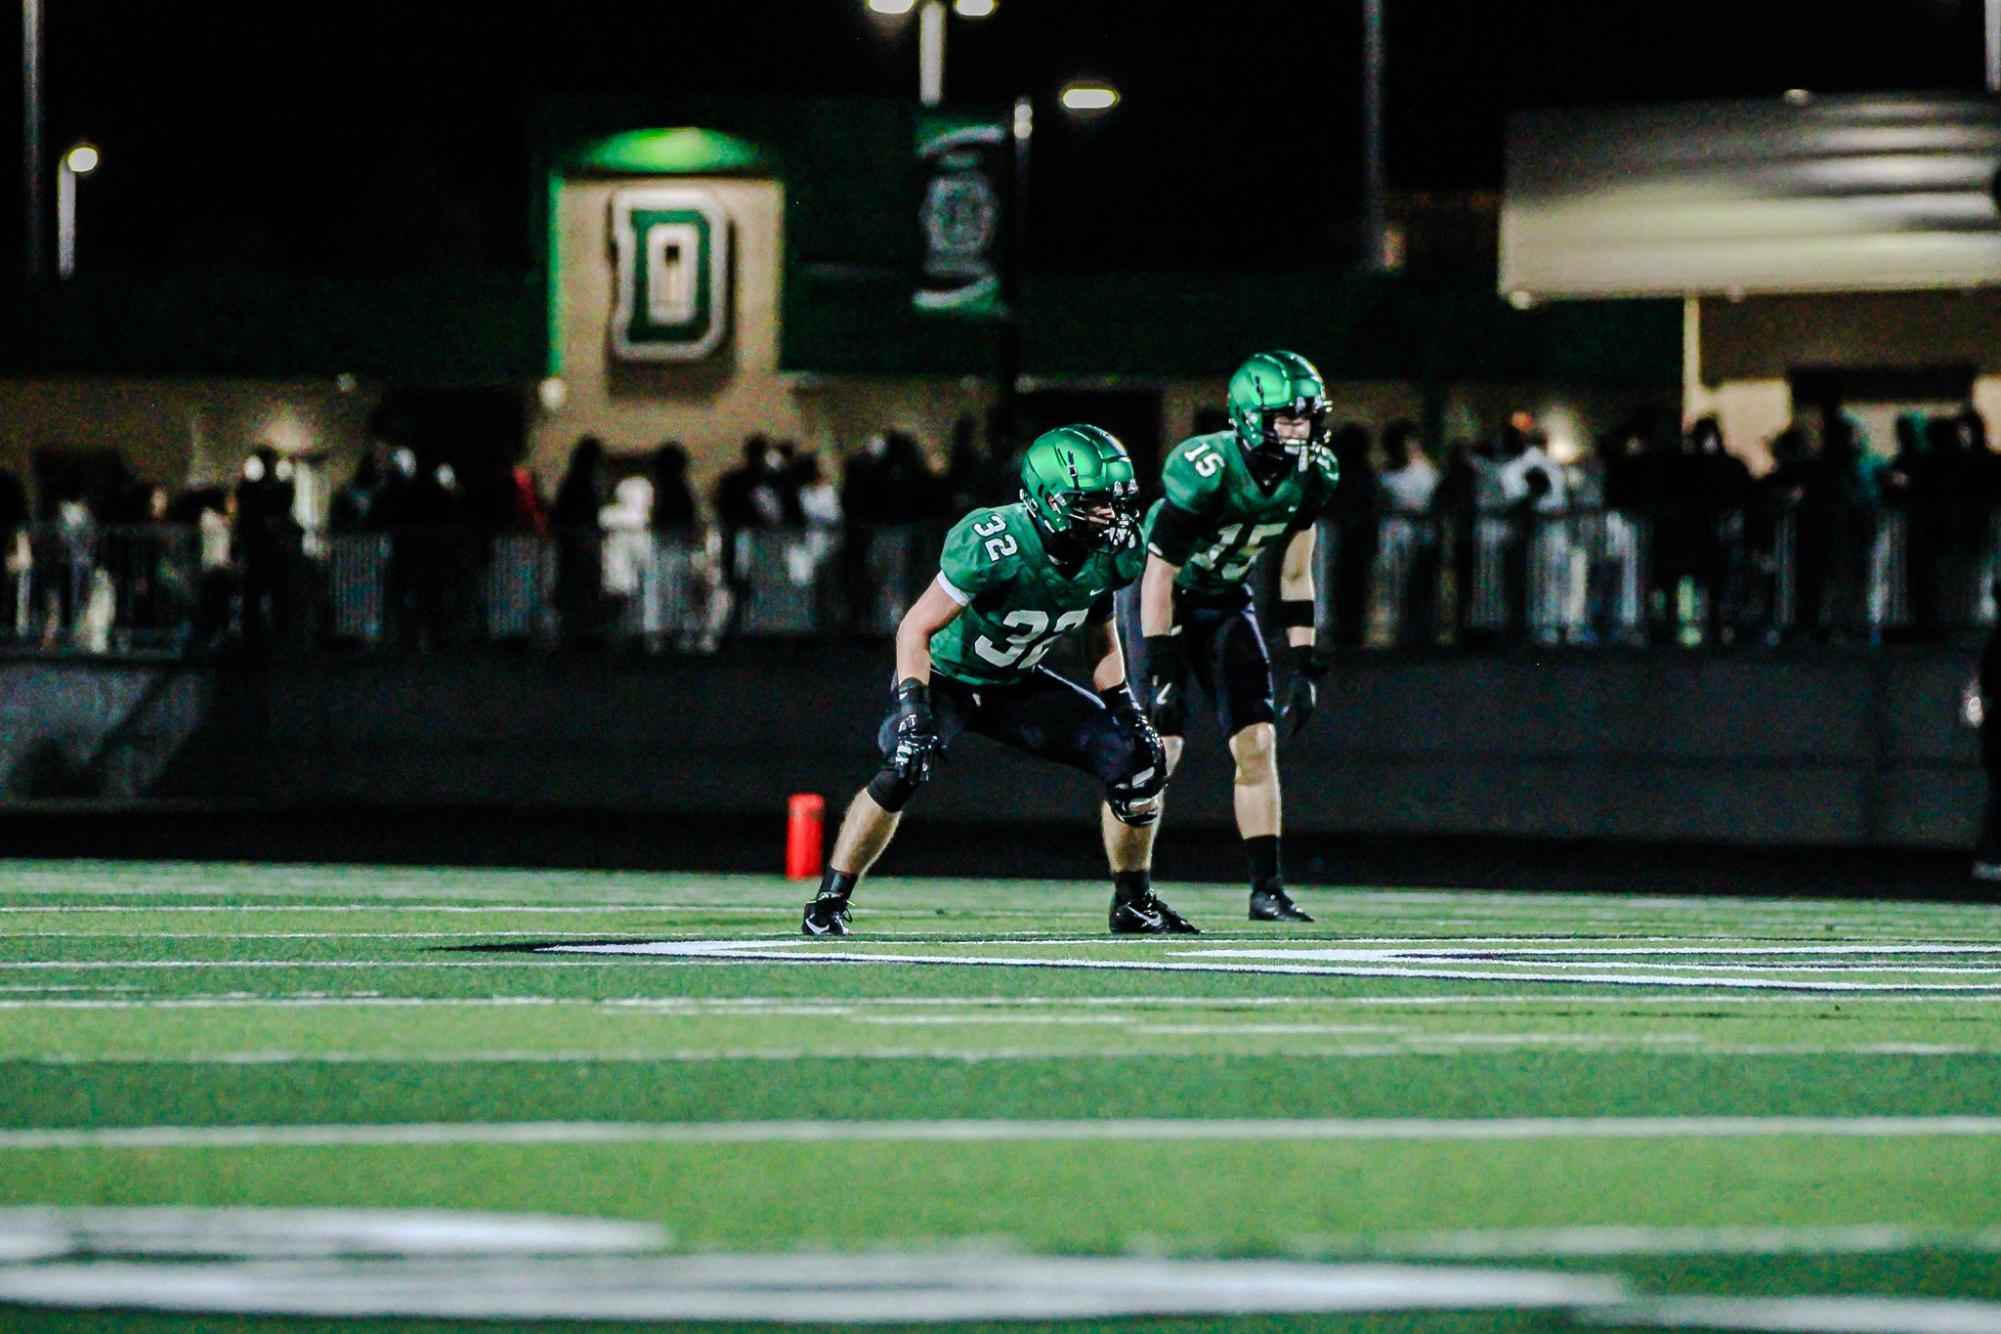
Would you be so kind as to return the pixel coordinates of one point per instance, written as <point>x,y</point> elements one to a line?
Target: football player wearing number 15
<point>1012,581</point>
<point>1228,496</point>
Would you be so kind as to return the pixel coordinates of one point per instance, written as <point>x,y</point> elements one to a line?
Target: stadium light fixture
<point>892,6</point>
<point>974,9</point>
<point>1799,97</point>
<point>80,161</point>
<point>1090,97</point>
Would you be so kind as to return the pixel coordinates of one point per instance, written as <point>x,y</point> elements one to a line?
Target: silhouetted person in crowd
<point>267,545</point>
<point>758,492</point>
<point>1456,505</point>
<point>1719,488</point>
<point>353,503</point>
<point>1410,535</point>
<point>1839,516</point>
<point>1357,514</point>
<point>674,508</point>
<point>1985,712</point>
<point>1923,476</point>
<point>580,500</point>
<point>13,556</point>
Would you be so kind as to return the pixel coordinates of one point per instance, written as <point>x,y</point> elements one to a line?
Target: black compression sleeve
<point>1176,532</point>
<point>1101,610</point>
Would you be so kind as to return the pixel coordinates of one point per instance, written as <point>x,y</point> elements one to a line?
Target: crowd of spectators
<point>1653,534</point>
<point>1659,534</point>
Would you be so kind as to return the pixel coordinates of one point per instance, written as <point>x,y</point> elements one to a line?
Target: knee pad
<point>892,791</point>
<point>1135,801</point>
<point>1128,809</point>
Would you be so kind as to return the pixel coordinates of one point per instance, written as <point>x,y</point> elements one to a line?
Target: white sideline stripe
<point>818,1289</point>
<point>763,952</point>
<point>1807,1315</point>
<point>956,1131</point>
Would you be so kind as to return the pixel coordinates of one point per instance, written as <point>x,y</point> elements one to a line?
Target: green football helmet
<point>1078,482</point>
<point>1278,384</point>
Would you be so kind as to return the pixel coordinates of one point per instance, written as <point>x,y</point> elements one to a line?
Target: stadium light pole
<point>931,38</point>
<point>79,162</point>
<point>1374,227</point>
<point>34,227</point>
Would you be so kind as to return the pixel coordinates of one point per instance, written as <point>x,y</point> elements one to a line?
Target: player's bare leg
<point>1255,749</point>
<point>1127,847</point>
<point>1259,815</point>
<point>865,831</point>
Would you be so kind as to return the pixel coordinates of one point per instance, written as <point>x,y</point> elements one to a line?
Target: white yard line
<point>967,1056</point>
<point>1806,1315</point>
<point>1235,1130</point>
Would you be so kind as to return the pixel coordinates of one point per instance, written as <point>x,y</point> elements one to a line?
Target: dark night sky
<point>388,135</point>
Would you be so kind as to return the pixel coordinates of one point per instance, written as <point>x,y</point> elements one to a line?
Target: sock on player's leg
<point>1131,886</point>
<point>1262,853</point>
<point>836,884</point>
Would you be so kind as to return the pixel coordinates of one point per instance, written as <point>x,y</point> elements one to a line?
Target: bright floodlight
<point>1090,97</point>
<point>82,159</point>
<point>892,6</point>
<point>973,9</point>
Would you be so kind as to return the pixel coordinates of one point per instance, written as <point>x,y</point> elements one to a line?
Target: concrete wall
<point>1834,749</point>
<point>186,432</point>
<point>1741,352</point>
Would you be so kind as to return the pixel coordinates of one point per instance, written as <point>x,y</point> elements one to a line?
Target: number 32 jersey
<point>1017,602</point>
<point>1208,477</point>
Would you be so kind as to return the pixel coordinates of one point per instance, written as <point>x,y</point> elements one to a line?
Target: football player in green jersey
<point>1228,497</point>
<point>1014,579</point>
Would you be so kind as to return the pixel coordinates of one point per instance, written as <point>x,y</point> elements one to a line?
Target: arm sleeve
<point>1101,611</point>
<point>1175,533</point>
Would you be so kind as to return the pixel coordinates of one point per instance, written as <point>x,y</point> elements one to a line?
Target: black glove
<point>1303,668</point>
<point>1167,682</point>
<point>1126,713</point>
<point>1132,798</point>
<point>916,732</point>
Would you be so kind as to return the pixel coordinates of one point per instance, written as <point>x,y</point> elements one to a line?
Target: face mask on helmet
<point>1292,445</point>
<point>1106,519</point>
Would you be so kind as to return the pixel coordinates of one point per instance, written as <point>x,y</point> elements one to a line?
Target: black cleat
<point>825,917</point>
<point>1149,917</point>
<point>1271,905</point>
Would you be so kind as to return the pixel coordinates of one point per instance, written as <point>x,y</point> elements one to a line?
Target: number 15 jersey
<point>1208,477</point>
<point>1017,602</point>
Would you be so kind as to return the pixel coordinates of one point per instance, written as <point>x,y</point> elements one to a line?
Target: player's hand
<point>1167,684</point>
<point>916,745</point>
<point>1302,690</point>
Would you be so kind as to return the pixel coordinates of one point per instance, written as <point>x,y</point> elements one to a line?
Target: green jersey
<point>1209,477</point>
<point>1017,602</point>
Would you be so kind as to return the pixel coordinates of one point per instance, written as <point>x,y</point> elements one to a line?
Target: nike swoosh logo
<point>817,930</point>
<point>1148,918</point>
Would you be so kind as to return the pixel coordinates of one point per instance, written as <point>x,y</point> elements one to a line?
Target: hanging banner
<point>963,163</point>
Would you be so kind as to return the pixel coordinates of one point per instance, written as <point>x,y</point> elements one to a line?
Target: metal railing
<point>1576,577</point>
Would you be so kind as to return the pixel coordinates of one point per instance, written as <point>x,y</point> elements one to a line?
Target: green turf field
<point>653,1101</point>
